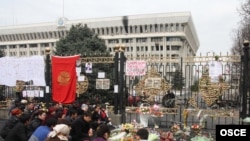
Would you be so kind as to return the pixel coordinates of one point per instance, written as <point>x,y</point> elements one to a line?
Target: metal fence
<point>226,109</point>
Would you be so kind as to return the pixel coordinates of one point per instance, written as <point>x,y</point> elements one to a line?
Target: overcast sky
<point>214,20</point>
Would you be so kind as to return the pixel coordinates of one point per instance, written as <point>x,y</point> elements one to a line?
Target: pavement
<point>2,121</point>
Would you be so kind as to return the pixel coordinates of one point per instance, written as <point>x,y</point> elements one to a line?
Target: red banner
<point>64,78</point>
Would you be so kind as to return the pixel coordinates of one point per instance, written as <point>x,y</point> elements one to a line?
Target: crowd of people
<point>29,121</point>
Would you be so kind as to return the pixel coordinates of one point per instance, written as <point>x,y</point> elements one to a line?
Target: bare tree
<point>243,31</point>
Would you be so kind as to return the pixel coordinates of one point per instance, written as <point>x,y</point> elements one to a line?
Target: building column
<point>28,49</point>
<point>7,50</point>
<point>39,49</point>
<point>18,50</point>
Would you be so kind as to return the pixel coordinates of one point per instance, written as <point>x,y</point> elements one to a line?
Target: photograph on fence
<point>102,83</point>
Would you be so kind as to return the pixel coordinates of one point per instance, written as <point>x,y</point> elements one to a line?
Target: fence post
<point>47,96</point>
<point>244,111</point>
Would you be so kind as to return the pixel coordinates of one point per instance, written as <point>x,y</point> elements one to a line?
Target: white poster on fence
<point>23,68</point>
<point>136,68</point>
<point>215,70</point>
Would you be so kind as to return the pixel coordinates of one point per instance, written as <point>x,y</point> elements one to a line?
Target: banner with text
<point>23,68</point>
<point>135,68</point>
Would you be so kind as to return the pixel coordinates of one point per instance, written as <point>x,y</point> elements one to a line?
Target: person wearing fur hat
<point>60,133</point>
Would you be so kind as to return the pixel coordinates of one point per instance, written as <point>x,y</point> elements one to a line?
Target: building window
<point>12,46</point>
<point>141,30</point>
<point>168,48</point>
<point>157,47</point>
<point>152,48</point>
<point>23,46</point>
<point>33,45</point>
<point>107,29</point>
<point>113,41</point>
<point>177,27</point>
<point>156,28</point>
<point>127,40</point>
<point>156,39</point>
<point>127,49</point>
<point>175,48</point>
<point>141,40</point>
<point>142,48</point>
<point>161,28</point>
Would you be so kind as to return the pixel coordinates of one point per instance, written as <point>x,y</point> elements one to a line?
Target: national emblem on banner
<point>64,78</point>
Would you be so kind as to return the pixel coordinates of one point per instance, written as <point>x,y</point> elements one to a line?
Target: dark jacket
<point>18,133</point>
<point>8,125</point>
<point>79,129</point>
<point>35,123</point>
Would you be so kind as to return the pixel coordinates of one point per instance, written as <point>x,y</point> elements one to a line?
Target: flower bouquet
<point>144,112</point>
<point>196,128</point>
<point>124,133</point>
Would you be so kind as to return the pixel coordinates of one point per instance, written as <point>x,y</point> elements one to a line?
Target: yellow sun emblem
<point>63,78</point>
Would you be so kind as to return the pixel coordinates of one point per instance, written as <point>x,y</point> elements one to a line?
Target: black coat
<point>17,133</point>
<point>79,129</point>
<point>8,125</point>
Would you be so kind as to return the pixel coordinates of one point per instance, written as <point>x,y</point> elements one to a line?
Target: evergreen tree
<point>195,86</point>
<point>178,80</point>
<point>81,40</point>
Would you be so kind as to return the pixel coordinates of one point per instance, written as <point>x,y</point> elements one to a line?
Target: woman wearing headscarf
<point>60,133</point>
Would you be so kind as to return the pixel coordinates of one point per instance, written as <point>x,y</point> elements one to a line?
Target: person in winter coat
<point>11,122</point>
<point>19,132</point>
<point>81,128</point>
<point>37,119</point>
<point>41,133</point>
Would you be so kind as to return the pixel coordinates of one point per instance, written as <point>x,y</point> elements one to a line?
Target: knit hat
<point>16,111</point>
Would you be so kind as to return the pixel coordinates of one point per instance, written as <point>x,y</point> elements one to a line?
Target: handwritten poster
<point>135,68</point>
<point>215,70</point>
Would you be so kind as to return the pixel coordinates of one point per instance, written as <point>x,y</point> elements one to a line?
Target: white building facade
<point>157,35</point>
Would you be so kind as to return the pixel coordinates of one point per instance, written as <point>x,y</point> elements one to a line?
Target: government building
<point>160,39</point>
<point>151,35</point>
